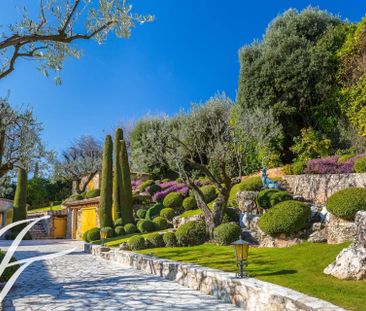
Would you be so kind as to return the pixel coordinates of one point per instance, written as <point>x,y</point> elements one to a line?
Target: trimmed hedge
<point>264,198</point>
<point>343,158</point>
<point>92,194</point>
<point>296,168</point>
<point>118,222</point>
<point>227,233</point>
<point>251,184</point>
<point>287,217</point>
<point>145,184</point>
<point>173,200</point>
<point>191,233</point>
<point>209,193</point>
<point>160,223</point>
<point>154,211</point>
<point>119,231</point>
<point>130,228</point>
<point>170,239</point>
<point>230,215</point>
<point>346,203</point>
<point>141,213</point>
<point>85,236</point>
<point>153,189</point>
<point>136,242</point>
<point>109,231</point>
<point>93,234</point>
<point>360,165</point>
<point>168,213</point>
<point>189,203</point>
<point>279,197</point>
<point>145,226</point>
<point>155,240</point>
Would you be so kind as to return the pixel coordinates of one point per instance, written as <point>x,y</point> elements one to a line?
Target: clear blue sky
<point>189,53</point>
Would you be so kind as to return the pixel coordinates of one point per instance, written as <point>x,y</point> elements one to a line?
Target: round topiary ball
<point>251,184</point>
<point>191,233</point>
<point>278,197</point>
<point>264,198</point>
<point>153,189</point>
<point>119,231</point>
<point>85,236</point>
<point>346,203</point>
<point>170,239</point>
<point>160,223</point>
<point>92,193</point>
<point>287,217</point>
<point>209,193</point>
<point>227,233</point>
<point>109,231</point>
<point>136,242</point>
<point>154,211</point>
<point>230,215</point>
<point>168,213</point>
<point>360,165</point>
<point>189,203</point>
<point>141,213</point>
<point>130,228</point>
<point>93,234</point>
<point>155,240</point>
<point>173,200</point>
<point>118,222</point>
<point>145,184</point>
<point>145,226</point>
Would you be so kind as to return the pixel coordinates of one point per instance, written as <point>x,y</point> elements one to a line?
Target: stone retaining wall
<point>249,293</point>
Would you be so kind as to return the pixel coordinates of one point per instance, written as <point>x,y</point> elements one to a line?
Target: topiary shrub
<point>170,239</point>
<point>209,193</point>
<point>168,213</point>
<point>287,217</point>
<point>93,234</point>
<point>251,184</point>
<point>119,231</point>
<point>230,215</point>
<point>165,180</point>
<point>153,189</point>
<point>155,240</point>
<point>92,194</point>
<point>191,233</point>
<point>154,211</point>
<point>145,184</point>
<point>279,197</point>
<point>227,233</point>
<point>109,231</point>
<point>343,158</point>
<point>75,197</point>
<point>145,226</point>
<point>173,200</point>
<point>346,203</point>
<point>360,165</point>
<point>141,213</point>
<point>85,236</point>
<point>118,222</point>
<point>130,228</point>
<point>160,223</point>
<point>264,198</point>
<point>296,168</point>
<point>136,242</point>
<point>189,203</point>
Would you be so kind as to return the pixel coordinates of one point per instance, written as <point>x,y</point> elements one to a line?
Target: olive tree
<point>49,36</point>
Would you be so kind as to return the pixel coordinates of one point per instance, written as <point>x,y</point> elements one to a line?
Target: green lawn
<point>299,267</point>
<point>45,209</point>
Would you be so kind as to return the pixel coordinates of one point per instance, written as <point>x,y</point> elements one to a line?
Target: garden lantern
<point>103,235</point>
<point>241,249</point>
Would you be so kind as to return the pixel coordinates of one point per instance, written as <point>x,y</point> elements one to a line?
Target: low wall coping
<point>246,293</point>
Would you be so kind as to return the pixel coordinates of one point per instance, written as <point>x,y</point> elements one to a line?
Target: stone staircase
<point>38,232</point>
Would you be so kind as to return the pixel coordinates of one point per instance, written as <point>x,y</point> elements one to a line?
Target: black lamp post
<point>241,249</point>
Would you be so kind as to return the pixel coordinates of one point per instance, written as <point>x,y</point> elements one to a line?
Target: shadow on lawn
<point>279,272</point>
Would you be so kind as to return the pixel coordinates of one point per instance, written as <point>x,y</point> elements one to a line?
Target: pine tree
<point>118,136</point>
<point>105,208</point>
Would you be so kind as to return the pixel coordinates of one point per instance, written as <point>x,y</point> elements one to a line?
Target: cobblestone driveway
<point>82,282</point>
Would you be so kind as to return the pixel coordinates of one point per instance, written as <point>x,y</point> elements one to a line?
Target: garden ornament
<point>267,182</point>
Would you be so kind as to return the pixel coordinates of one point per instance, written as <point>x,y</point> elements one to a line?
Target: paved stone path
<point>82,282</point>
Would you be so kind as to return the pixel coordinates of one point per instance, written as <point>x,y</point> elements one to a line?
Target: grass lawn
<point>45,209</point>
<point>299,267</point>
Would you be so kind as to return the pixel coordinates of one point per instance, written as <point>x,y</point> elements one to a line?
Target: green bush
<point>136,242</point>
<point>8,272</point>
<point>168,213</point>
<point>191,233</point>
<point>251,184</point>
<point>360,165</point>
<point>160,223</point>
<point>145,184</point>
<point>209,193</point>
<point>109,231</point>
<point>346,203</point>
<point>231,215</point>
<point>287,217</point>
<point>155,240</point>
<point>154,211</point>
<point>92,194</point>
<point>296,168</point>
<point>85,236</point>
<point>153,188</point>
<point>130,228</point>
<point>343,158</point>
<point>119,231</point>
<point>173,200</point>
<point>179,180</point>
<point>227,233</point>
<point>145,226</point>
<point>264,198</point>
<point>165,180</point>
<point>118,222</point>
<point>141,213</point>
<point>189,203</point>
<point>93,234</point>
<point>279,197</point>
<point>170,239</point>
<point>76,197</point>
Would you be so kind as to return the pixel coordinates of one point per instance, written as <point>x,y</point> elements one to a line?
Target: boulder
<point>340,230</point>
<point>247,201</point>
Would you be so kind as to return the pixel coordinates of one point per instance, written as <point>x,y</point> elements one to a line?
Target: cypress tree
<point>20,202</point>
<point>105,208</point>
<point>118,136</point>
<point>126,189</point>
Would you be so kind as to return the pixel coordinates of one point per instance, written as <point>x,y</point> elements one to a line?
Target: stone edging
<point>249,293</point>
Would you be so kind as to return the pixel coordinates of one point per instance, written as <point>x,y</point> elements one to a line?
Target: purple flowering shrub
<point>330,165</point>
<point>136,184</point>
<point>173,187</point>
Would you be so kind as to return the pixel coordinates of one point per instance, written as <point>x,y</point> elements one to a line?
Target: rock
<point>339,230</point>
<point>318,213</point>
<point>318,236</point>
<point>123,246</point>
<point>247,201</point>
<point>280,242</point>
<point>351,261</point>
<point>178,221</point>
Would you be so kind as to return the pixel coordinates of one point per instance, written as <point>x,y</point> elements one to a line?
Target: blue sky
<point>188,54</point>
